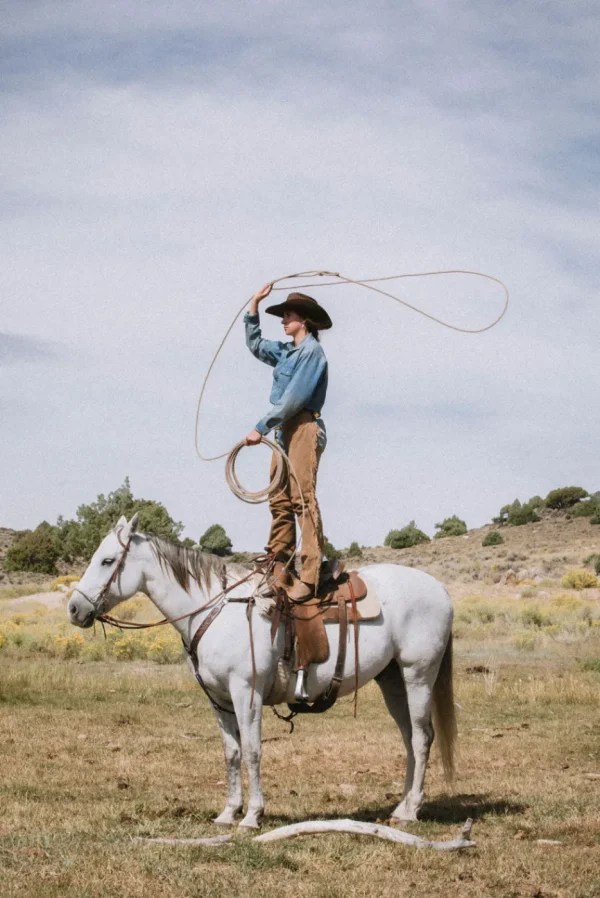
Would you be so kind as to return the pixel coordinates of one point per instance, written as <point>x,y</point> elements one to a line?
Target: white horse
<point>407,650</point>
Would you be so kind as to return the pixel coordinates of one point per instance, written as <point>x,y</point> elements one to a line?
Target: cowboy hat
<point>305,306</point>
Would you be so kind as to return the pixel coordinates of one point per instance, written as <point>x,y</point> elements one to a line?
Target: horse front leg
<point>250,724</point>
<point>230,733</point>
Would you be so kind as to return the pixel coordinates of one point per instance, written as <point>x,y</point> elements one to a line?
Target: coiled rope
<point>282,461</point>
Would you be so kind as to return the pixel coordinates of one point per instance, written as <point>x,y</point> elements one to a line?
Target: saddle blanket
<point>367,608</point>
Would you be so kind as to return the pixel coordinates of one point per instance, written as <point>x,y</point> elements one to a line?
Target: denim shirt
<point>299,378</point>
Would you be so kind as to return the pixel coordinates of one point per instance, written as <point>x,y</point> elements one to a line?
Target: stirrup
<point>301,692</point>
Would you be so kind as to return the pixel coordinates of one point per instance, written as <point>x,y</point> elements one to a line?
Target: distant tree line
<point>573,500</point>
<point>74,541</point>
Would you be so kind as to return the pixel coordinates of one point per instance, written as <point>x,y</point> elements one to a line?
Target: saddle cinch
<point>342,597</point>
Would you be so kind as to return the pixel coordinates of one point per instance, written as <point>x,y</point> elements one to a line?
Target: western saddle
<point>336,600</point>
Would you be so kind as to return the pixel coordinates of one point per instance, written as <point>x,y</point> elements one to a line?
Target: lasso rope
<point>282,460</point>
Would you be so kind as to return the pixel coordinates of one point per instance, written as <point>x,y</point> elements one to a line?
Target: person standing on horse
<point>297,397</point>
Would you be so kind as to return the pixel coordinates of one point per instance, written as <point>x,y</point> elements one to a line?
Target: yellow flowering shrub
<point>579,579</point>
<point>128,647</point>
<point>40,611</point>
<point>565,601</point>
<point>94,650</point>
<point>130,609</point>
<point>69,646</point>
<point>165,648</point>
<point>524,641</point>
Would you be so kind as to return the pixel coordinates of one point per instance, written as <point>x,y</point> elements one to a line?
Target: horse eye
<point>108,561</point>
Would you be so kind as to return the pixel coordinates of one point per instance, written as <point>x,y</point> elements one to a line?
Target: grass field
<point>95,752</point>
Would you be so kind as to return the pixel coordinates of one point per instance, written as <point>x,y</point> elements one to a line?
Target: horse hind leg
<point>393,688</point>
<point>419,697</point>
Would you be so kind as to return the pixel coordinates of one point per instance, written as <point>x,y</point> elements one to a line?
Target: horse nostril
<point>72,608</point>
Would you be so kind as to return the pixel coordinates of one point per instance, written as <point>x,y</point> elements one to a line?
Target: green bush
<point>565,497</point>
<point>525,514</point>
<point>594,560</point>
<point>453,526</point>
<point>79,539</point>
<point>535,617</point>
<point>493,538</point>
<point>517,514</point>
<point>330,552</point>
<point>241,557</point>
<point>34,550</point>
<point>586,509</point>
<point>536,502</point>
<point>405,538</point>
<point>215,541</point>
<point>596,518</point>
<point>354,551</point>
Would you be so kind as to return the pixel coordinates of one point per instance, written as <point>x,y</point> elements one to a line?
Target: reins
<point>135,625</point>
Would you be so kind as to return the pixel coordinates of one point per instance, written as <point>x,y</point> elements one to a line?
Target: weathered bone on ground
<point>355,827</point>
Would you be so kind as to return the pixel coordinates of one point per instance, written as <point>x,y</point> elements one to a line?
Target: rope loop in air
<point>282,460</point>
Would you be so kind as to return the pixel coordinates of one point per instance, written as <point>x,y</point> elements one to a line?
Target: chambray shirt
<point>299,379</point>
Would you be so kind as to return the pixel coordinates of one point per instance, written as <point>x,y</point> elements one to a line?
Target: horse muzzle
<point>80,612</point>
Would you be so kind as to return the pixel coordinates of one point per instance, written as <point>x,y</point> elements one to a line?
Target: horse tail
<point>444,713</point>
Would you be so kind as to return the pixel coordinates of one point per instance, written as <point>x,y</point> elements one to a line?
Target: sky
<point>161,162</point>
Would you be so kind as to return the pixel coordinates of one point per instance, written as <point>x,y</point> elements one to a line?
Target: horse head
<point>112,576</point>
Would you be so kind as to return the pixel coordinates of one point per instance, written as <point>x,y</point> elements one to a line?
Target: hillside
<point>532,553</point>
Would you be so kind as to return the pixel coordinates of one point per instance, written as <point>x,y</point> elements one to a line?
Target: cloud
<point>18,348</point>
<point>157,168</point>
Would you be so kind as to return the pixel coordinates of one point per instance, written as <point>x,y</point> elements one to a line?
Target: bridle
<point>98,601</point>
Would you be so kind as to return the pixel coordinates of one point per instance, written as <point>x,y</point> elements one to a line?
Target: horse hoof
<point>248,828</point>
<point>227,819</point>
<point>396,821</point>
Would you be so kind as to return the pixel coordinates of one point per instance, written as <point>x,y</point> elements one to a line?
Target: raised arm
<point>268,351</point>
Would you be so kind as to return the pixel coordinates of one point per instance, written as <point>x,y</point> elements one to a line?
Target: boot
<point>300,591</point>
<point>280,577</point>
<point>277,576</point>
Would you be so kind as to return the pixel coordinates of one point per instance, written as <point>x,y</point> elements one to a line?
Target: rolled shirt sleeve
<point>309,370</point>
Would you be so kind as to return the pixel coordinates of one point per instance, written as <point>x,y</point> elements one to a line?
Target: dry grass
<point>95,753</point>
<point>15,591</point>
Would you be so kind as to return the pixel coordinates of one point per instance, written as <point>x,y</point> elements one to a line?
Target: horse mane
<point>190,564</point>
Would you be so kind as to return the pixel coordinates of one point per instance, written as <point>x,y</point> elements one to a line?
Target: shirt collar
<point>308,338</point>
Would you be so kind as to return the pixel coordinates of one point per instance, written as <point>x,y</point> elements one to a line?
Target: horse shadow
<point>449,809</point>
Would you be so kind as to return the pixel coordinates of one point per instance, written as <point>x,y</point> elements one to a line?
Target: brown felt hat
<point>303,305</point>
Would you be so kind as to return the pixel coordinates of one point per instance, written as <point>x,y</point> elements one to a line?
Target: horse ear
<point>122,522</point>
<point>133,524</point>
